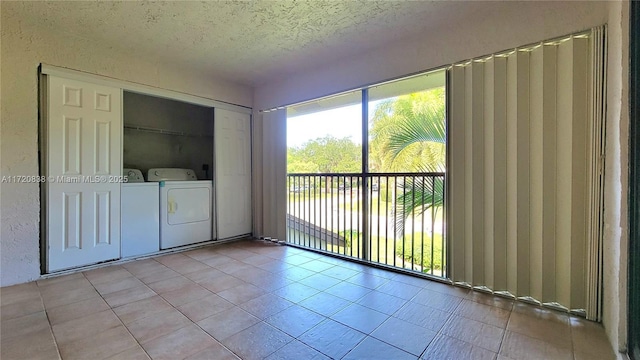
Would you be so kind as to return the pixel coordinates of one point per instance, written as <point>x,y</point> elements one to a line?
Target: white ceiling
<point>247,42</point>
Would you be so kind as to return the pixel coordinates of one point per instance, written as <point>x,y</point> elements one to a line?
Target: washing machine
<point>186,214</point>
<point>140,215</point>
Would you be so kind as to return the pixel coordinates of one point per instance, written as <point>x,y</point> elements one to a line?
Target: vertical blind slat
<point>512,174</point>
<point>564,178</point>
<point>489,166</point>
<point>468,171</point>
<point>477,171</point>
<point>579,172</point>
<point>536,115</point>
<point>500,173</point>
<point>456,204</point>
<point>522,210</point>
<point>549,173</point>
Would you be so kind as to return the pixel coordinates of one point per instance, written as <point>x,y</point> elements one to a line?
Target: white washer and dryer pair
<point>186,207</point>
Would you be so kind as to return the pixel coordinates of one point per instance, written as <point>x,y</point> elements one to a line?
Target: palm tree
<point>409,136</point>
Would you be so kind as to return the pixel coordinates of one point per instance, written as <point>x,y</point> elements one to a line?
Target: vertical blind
<point>525,187</point>
<point>270,171</point>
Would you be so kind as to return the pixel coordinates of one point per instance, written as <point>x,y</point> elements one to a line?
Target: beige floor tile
<point>267,305</point>
<point>179,344</point>
<point>257,342</point>
<point>217,351</point>
<point>255,276</point>
<point>547,330</point>
<point>159,324</point>
<point>77,310</point>
<point>521,347</point>
<point>540,313</point>
<point>146,266</point>
<point>204,275</point>
<point>59,278</point>
<point>181,263</point>
<point>85,326</point>
<point>256,260</point>
<point>238,254</point>
<point>127,296</point>
<point>134,353</point>
<point>203,308</point>
<point>111,286</point>
<point>188,266</point>
<point>185,294</point>
<point>235,266</point>
<point>63,286</point>
<point>18,293</point>
<point>106,274</point>
<point>221,283</point>
<point>491,300</point>
<point>484,313</point>
<point>578,355</point>
<point>142,308</point>
<point>474,332</point>
<point>201,254</point>
<point>447,289</point>
<point>447,348</point>
<point>590,338</point>
<point>34,346</point>
<point>99,346</point>
<point>217,261</point>
<point>437,300</point>
<point>65,297</point>
<point>167,285</point>
<point>23,326</point>
<point>171,259</point>
<point>228,323</point>
<point>21,308</point>
<point>242,293</point>
<point>157,275</point>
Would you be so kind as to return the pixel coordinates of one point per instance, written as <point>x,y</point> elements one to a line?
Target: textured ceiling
<point>247,42</point>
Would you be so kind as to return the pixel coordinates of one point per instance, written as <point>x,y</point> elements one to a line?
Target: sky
<point>340,123</point>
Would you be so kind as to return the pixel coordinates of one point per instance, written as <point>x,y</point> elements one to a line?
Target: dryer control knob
<point>156,173</point>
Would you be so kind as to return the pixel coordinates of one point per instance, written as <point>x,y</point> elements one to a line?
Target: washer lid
<point>133,175</point>
<point>171,174</point>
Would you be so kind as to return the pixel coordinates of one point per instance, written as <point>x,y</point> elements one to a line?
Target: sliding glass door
<point>366,174</point>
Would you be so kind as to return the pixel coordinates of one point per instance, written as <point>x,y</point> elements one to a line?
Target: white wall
<point>616,237</point>
<point>22,50</point>
<point>511,24</point>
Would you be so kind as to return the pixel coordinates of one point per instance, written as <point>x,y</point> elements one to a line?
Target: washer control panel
<point>133,175</point>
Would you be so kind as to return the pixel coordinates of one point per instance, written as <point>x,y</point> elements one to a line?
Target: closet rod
<point>163,131</point>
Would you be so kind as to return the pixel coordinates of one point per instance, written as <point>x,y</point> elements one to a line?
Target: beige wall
<point>511,24</point>
<point>22,50</point>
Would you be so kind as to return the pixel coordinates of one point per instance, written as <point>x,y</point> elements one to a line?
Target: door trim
<point>633,286</point>
<point>140,88</point>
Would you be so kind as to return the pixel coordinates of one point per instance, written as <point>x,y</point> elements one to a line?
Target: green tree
<point>325,155</point>
<point>408,135</point>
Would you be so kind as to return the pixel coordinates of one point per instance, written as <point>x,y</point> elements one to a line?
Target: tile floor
<point>257,300</point>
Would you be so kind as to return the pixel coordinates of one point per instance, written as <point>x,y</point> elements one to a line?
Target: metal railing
<point>404,225</point>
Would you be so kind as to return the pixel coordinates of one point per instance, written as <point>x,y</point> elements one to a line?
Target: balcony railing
<point>395,219</point>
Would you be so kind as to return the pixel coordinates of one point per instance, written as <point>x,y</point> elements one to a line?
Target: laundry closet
<point>132,170</point>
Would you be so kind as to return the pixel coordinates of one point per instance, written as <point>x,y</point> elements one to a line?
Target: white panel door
<point>84,126</point>
<point>232,173</point>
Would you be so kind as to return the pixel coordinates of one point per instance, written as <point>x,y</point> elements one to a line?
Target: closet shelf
<point>165,132</point>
